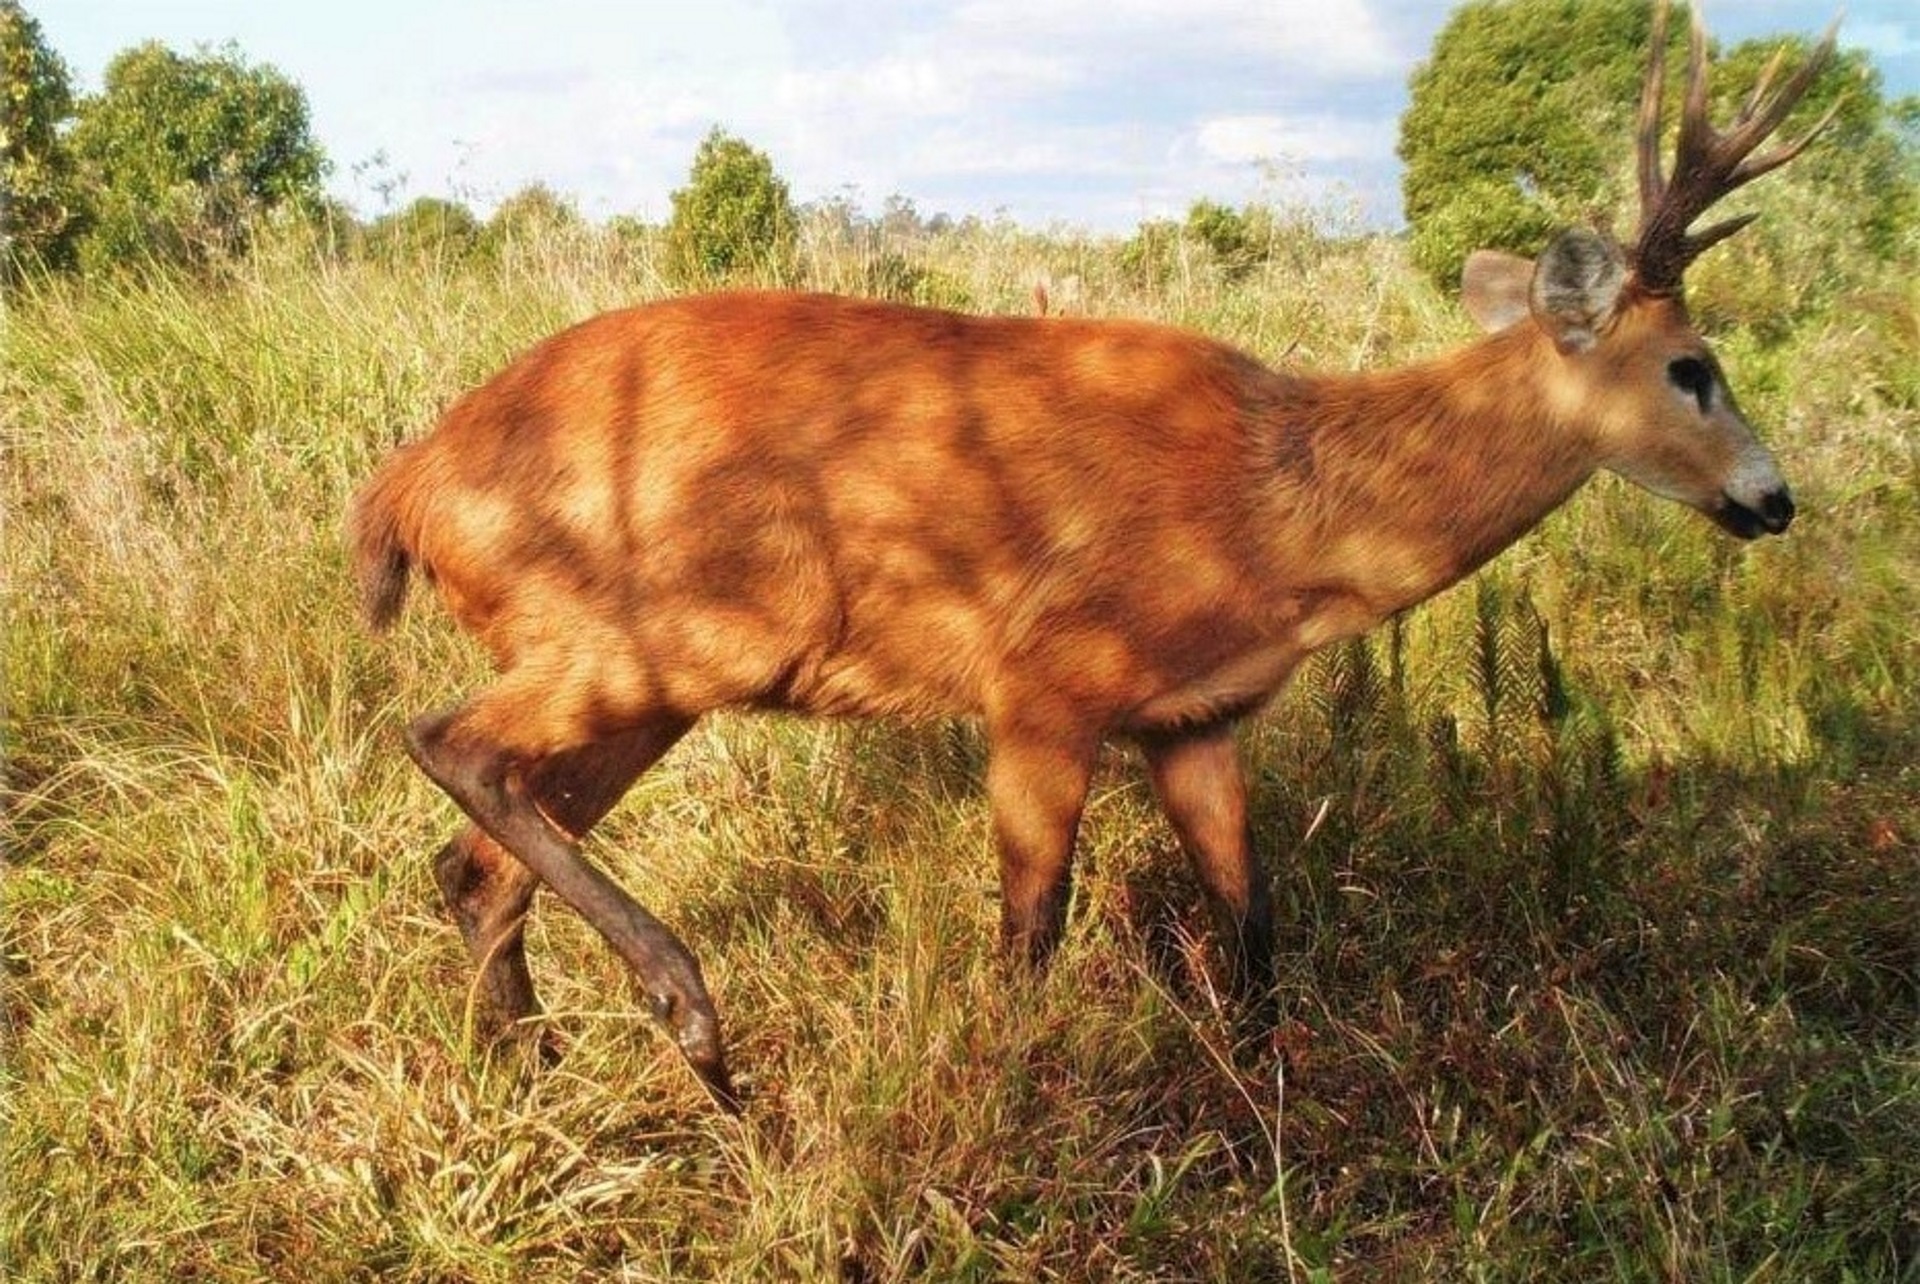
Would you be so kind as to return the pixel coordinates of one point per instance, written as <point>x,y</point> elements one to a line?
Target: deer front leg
<point>1202,789</point>
<point>1037,777</point>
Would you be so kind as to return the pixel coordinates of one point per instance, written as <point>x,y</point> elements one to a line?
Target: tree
<point>1515,123</point>
<point>533,216</point>
<point>1522,120</point>
<point>1150,255</point>
<point>38,203</point>
<point>733,217</point>
<point>428,227</point>
<point>1238,240</point>
<point>183,154</point>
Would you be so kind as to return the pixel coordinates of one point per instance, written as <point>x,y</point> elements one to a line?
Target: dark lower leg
<point>521,815</point>
<point>488,893</point>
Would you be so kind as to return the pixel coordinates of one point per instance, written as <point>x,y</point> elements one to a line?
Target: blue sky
<point>1092,113</point>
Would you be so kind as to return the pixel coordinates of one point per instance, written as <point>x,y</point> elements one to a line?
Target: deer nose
<point>1776,510</point>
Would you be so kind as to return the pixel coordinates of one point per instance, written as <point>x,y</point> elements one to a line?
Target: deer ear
<point>1576,288</point>
<point>1494,288</point>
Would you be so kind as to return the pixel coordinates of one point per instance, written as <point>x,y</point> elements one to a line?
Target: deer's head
<point>1627,364</point>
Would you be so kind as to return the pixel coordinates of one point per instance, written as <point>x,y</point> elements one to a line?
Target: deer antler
<point>1707,164</point>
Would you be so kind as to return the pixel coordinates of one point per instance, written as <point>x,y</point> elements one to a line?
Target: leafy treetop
<point>182,153</point>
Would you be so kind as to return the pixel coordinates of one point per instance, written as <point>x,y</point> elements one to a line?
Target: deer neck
<point>1395,484</point>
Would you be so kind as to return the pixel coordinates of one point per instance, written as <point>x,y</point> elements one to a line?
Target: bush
<point>38,202</point>
<point>182,155</point>
<point>430,228</point>
<point>734,218</point>
<point>1489,215</point>
<point>1237,239</point>
<point>531,216</point>
<point>892,275</point>
<point>1150,255</point>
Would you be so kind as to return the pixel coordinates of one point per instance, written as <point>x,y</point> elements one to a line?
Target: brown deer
<point>1071,529</point>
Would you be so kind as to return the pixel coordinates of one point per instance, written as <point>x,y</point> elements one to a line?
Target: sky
<point>1093,114</point>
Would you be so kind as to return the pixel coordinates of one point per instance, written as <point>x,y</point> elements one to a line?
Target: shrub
<point>181,155</point>
<point>38,202</point>
<point>430,228</point>
<point>733,219</point>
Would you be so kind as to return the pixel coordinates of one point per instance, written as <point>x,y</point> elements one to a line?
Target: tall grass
<point>1597,875</point>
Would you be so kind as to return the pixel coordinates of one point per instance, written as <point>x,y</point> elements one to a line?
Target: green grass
<point>1599,895</point>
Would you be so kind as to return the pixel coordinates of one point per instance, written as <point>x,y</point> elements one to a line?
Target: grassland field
<point>1598,880</point>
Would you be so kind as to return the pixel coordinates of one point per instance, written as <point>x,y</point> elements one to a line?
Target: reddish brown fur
<point>844,507</point>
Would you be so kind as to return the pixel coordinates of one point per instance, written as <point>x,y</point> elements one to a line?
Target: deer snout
<point>1754,500</point>
<point>1768,513</point>
<point>1776,510</point>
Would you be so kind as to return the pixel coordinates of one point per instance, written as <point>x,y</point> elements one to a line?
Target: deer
<point>1070,530</point>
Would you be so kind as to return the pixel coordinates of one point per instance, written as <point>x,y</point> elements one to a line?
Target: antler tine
<point>1697,243</point>
<point>1754,166</point>
<point>1697,135</point>
<point>1708,164</point>
<point>1652,98</point>
<point>1754,126</point>
<point>1763,84</point>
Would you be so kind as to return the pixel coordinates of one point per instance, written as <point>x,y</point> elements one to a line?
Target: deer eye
<point>1694,377</point>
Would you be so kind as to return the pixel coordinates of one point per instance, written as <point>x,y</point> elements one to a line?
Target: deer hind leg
<point>1202,789</point>
<point>491,755</point>
<point>489,892</point>
<point>1037,778</point>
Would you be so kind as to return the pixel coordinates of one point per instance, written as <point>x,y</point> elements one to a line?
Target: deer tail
<point>378,545</point>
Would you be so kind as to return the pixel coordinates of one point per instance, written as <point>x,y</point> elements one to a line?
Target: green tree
<point>533,216</point>
<point>1521,121</point>
<point>38,202</point>
<point>1151,254</point>
<point>427,227</point>
<point>183,154</point>
<point>1515,121</point>
<point>733,218</point>
<point>1239,240</point>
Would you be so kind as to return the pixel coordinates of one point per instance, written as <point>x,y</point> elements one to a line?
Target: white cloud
<point>1307,140</point>
<point>1062,151</point>
<point>924,84</point>
<point>1027,103</point>
<point>1317,38</point>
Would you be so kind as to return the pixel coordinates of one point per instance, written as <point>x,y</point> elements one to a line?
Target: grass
<point>1597,875</point>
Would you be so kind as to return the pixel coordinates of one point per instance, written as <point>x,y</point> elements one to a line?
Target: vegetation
<point>1521,121</point>
<point>183,155</point>
<point>36,180</point>
<point>428,226</point>
<point>1596,875</point>
<point>535,216</point>
<point>733,219</point>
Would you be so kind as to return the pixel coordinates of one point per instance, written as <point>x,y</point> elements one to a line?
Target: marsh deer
<point>1070,529</point>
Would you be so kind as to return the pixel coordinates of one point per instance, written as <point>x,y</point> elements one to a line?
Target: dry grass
<point>1598,879</point>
